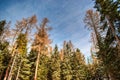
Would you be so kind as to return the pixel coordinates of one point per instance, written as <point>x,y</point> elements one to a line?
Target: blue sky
<point>65,16</point>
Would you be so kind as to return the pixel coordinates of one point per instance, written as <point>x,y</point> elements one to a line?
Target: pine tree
<point>55,65</point>
<point>32,58</point>
<point>24,69</point>
<point>66,70</point>
<point>20,52</point>
<point>41,44</point>
<point>43,67</point>
<point>21,26</point>
<point>24,66</point>
<point>109,11</point>
<point>92,21</point>
<point>78,66</point>
<point>4,58</point>
<point>2,24</point>
<point>4,52</point>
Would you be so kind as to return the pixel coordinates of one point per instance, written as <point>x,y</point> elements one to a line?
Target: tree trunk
<point>95,30</point>
<point>112,76</point>
<point>113,30</point>
<point>107,76</point>
<point>1,75</point>
<point>19,69</point>
<point>37,63</point>
<point>10,73</point>
<point>6,73</point>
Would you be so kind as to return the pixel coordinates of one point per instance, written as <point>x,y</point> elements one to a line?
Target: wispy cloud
<point>74,29</point>
<point>66,18</point>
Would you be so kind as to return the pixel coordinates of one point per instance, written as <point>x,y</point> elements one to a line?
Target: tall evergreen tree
<point>41,43</point>
<point>24,66</point>
<point>55,64</point>
<point>20,53</point>
<point>109,11</point>
<point>110,18</point>
<point>21,26</point>
<point>4,52</point>
<point>66,70</point>
<point>4,58</point>
<point>78,66</point>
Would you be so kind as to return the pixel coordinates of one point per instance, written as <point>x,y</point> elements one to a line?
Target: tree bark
<point>19,70</point>
<point>95,29</point>
<point>1,75</point>
<point>37,63</point>
<point>6,73</point>
<point>10,73</point>
<point>113,30</point>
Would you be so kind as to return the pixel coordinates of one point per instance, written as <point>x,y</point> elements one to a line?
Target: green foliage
<point>25,69</point>
<point>1,63</point>
<point>22,44</point>
<point>109,49</point>
<point>19,60</point>
<point>55,64</point>
<point>32,58</point>
<point>4,57</point>
<point>69,63</point>
<point>2,24</point>
<point>43,67</point>
<point>78,66</point>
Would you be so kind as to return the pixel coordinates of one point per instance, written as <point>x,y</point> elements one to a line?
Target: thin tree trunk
<point>95,30</point>
<point>6,73</point>
<point>7,70</point>
<point>19,69</point>
<point>112,76</point>
<point>12,52</point>
<point>10,73</point>
<point>1,75</point>
<point>37,62</point>
<point>107,76</point>
<point>113,30</point>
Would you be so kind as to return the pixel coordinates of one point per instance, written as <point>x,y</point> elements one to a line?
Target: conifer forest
<point>26,52</point>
